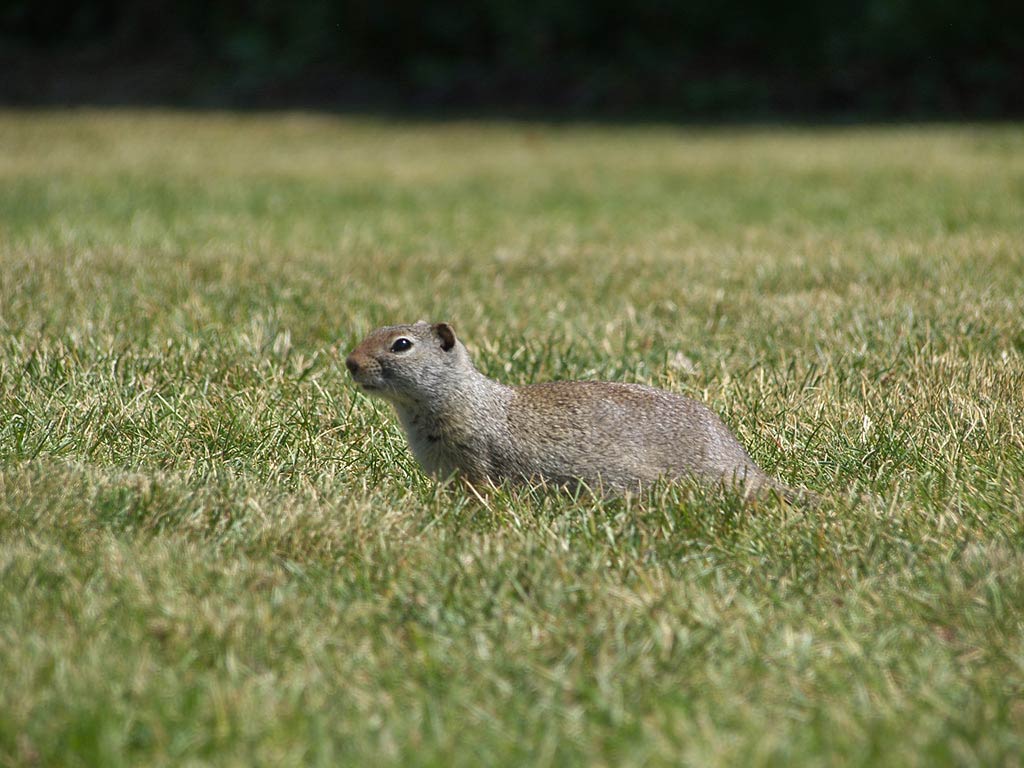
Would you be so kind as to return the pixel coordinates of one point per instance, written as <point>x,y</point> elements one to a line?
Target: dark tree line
<point>874,58</point>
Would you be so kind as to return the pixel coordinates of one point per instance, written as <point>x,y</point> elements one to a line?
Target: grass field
<point>214,550</point>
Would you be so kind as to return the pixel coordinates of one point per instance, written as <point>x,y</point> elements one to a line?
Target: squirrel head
<point>408,363</point>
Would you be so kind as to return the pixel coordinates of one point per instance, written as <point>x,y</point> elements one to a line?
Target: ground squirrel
<point>606,435</point>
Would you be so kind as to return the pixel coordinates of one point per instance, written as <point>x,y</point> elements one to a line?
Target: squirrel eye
<point>401,345</point>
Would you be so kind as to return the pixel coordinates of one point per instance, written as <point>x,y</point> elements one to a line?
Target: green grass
<point>214,550</point>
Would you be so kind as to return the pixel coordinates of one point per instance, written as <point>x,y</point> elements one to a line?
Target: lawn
<point>213,549</point>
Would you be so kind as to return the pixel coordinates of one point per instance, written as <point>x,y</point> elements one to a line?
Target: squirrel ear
<point>446,334</point>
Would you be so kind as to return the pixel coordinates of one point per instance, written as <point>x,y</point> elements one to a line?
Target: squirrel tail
<point>797,497</point>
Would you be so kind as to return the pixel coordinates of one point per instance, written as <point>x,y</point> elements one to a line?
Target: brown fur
<point>604,434</point>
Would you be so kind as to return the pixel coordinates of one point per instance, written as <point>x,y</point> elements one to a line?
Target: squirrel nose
<point>352,364</point>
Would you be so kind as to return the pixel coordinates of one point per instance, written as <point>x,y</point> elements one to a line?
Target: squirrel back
<point>604,434</point>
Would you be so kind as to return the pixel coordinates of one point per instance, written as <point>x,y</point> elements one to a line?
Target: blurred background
<point>726,59</point>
